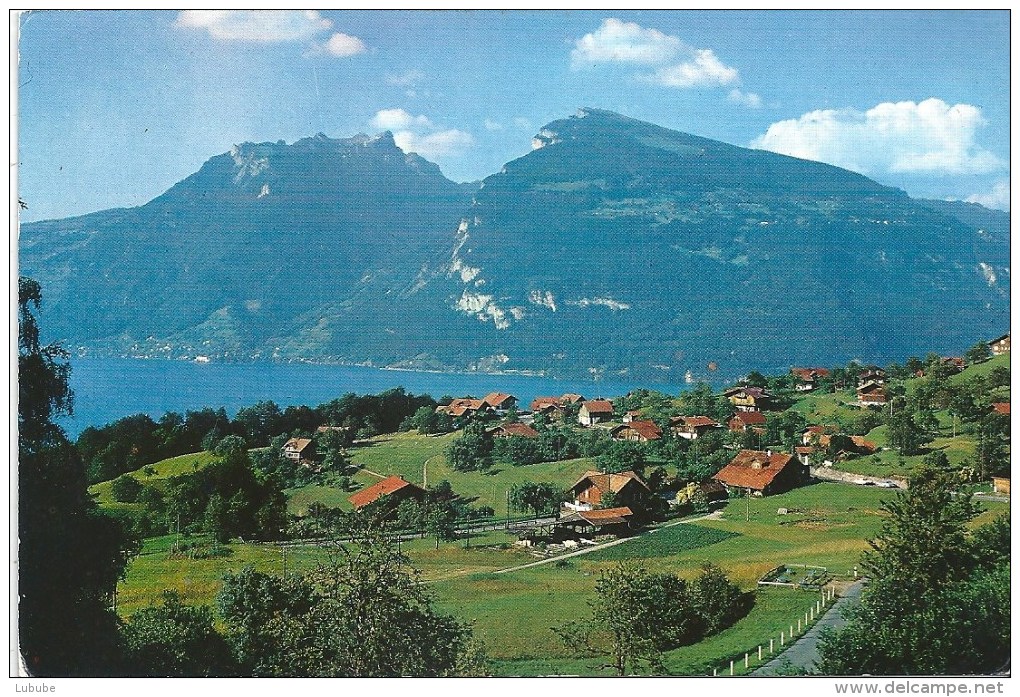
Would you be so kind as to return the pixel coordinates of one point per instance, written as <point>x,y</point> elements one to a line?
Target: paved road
<point>713,515</point>
<point>804,651</point>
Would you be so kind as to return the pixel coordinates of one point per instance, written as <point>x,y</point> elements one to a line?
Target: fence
<point>765,652</point>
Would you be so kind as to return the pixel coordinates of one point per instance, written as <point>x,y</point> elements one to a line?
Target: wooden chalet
<point>550,407</point>
<point>392,490</point>
<point>571,398</point>
<point>999,345</point>
<point>811,434</point>
<point>634,415</point>
<point>1000,485</point>
<point>692,427</point>
<point>749,398</point>
<point>464,406</point>
<point>743,421</point>
<point>871,374</point>
<point>761,473</point>
<point>808,378</point>
<point>871,393</point>
<point>595,411</point>
<point>598,521</point>
<point>500,401</point>
<point>628,488</point>
<point>514,430</point>
<point>638,431</point>
<point>299,450</point>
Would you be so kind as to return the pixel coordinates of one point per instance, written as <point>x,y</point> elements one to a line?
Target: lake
<point>107,389</point>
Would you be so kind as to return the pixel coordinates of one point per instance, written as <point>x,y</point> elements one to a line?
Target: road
<point>714,515</point>
<point>803,653</point>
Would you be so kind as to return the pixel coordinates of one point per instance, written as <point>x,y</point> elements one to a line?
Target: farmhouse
<point>807,378</point>
<point>761,473</point>
<point>550,407</point>
<point>571,398</point>
<point>749,398</point>
<point>464,406</point>
<point>601,521</point>
<point>871,393</point>
<point>744,420</point>
<point>627,487</point>
<point>513,430</point>
<point>639,431</point>
<point>811,434</point>
<point>595,411</point>
<point>631,416</point>
<point>1000,345</point>
<point>299,450</point>
<point>692,427</point>
<point>500,401</point>
<point>871,374</point>
<point>393,489</point>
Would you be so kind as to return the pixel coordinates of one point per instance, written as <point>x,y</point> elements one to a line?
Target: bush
<point>126,489</point>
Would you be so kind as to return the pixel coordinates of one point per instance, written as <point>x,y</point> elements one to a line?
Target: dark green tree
<point>537,497</point>
<point>70,555</point>
<point>978,352</point>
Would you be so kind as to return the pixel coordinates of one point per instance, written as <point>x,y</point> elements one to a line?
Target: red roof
<point>516,429</point>
<point>540,403</point>
<point>571,398</point>
<point>298,444</point>
<point>1001,407</point>
<point>599,406</point>
<point>497,399</point>
<point>378,490</point>
<point>753,469</point>
<point>809,374</point>
<point>610,482</point>
<point>698,422</point>
<point>646,429</point>
<point>865,447</point>
<point>598,517</point>
<point>749,418</point>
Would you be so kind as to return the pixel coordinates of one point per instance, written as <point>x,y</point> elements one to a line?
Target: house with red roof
<point>637,431</point>
<point>513,430</point>
<point>692,427</point>
<point>871,393</point>
<point>629,490</point>
<point>743,421</point>
<point>464,406</point>
<point>299,450</point>
<point>761,473</point>
<point>500,401</point>
<point>595,411</point>
<point>746,398</point>
<point>598,521</point>
<point>392,490</point>
<point>808,378</point>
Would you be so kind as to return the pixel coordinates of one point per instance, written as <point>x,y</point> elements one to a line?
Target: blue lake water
<point>107,389</point>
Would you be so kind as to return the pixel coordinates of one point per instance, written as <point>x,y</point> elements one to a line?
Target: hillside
<point>616,247</point>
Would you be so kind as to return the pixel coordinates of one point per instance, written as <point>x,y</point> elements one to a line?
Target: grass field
<point>183,464</point>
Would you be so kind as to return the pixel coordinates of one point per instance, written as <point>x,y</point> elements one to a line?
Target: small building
<point>749,398</point>
<point>808,378</point>
<point>1000,485</point>
<point>571,398</point>
<point>871,393</point>
<point>299,450</point>
<point>595,411</point>
<point>742,421</point>
<point>693,427</point>
<point>628,488</point>
<point>464,406</point>
<point>999,345</point>
<point>513,430</point>
<point>631,416</point>
<point>761,472</point>
<point>393,490</point>
<point>638,431</point>
<point>954,364</point>
<point>811,434</point>
<point>598,521</point>
<point>500,402</point>
<point>871,374</point>
<point>1001,408</point>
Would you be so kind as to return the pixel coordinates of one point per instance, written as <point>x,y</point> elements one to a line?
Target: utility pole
<point>747,506</point>
<point>285,560</point>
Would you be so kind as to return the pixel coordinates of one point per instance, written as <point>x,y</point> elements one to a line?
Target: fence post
<point>759,652</point>
<point>745,660</point>
<point>772,646</point>
<point>798,625</point>
<point>782,639</point>
<point>731,666</point>
<point>715,672</point>
<point>791,632</point>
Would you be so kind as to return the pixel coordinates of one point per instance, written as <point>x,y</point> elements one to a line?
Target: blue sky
<point>117,106</point>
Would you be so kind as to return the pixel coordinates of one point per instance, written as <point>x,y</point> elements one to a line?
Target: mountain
<point>616,247</point>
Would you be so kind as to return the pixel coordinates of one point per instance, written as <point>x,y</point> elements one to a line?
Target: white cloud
<point>408,78</point>
<point>703,70</point>
<point>624,42</point>
<point>344,45</point>
<point>998,197</point>
<point>397,120</point>
<point>491,125</point>
<point>748,99</point>
<point>523,123</point>
<point>262,26</point>
<point>436,144</point>
<point>902,137</point>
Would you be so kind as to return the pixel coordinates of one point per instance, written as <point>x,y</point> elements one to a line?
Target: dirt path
<point>715,515</point>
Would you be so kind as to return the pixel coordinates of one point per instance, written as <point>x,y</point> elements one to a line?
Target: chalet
<point>631,416</point>
<point>500,402</point>
<point>954,364</point>
<point>692,427</point>
<point>598,521</point>
<point>761,473</point>
<point>550,407</point>
<point>744,420</point>
<point>871,393</point>
<point>639,431</point>
<point>808,378</point>
<point>871,374</point>
<point>1001,408</point>
<point>749,398</point>
<point>571,398</point>
<point>1000,485</point>
<point>299,450</point>
<point>804,454</point>
<point>853,446</point>
<point>464,406</point>
<point>513,430</point>
<point>392,489</point>
<point>1000,345</point>
<point>811,434</point>
<point>627,487</point>
<point>595,411</point>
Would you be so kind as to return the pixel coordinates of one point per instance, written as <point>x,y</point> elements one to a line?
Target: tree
<point>538,497</point>
<point>70,555</point>
<point>905,434</point>
<point>716,599</point>
<point>362,613</point>
<point>471,451</point>
<point>125,489</point>
<point>978,352</point>
<point>175,640</point>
